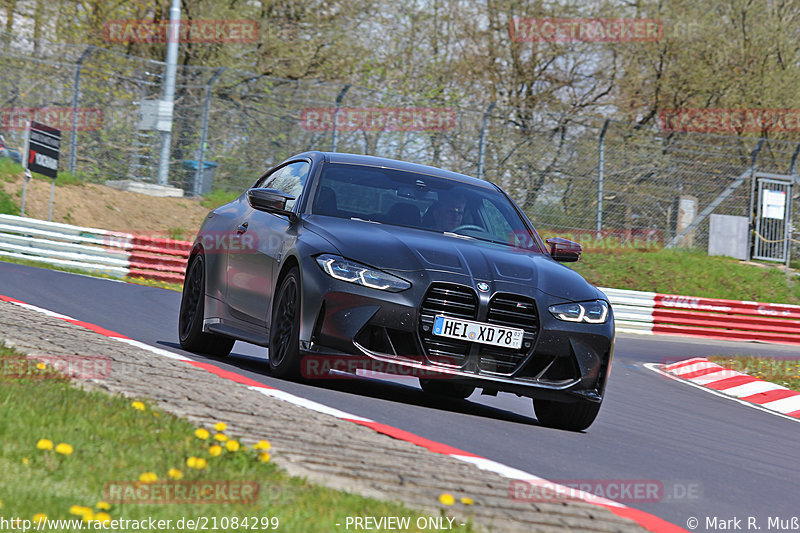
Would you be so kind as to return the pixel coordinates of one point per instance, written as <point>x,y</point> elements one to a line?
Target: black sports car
<point>331,258</point>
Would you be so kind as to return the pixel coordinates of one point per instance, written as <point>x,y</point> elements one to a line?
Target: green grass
<point>785,372</point>
<point>218,197</point>
<point>114,442</point>
<point>7,204</point>
<point>689,273</point>
<point>10,171</point>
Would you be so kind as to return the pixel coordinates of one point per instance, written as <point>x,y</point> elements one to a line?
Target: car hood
<point>399,250</point>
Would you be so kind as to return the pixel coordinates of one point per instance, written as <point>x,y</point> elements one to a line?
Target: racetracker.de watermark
<point>346,367</point>
<point>45,366</point>
<point>588,30</point>
<point>59,117</point>
<point>377,118</point>
<point>619,490</point>
<point>730,121</point>
<point>181,492</point>
<point>188,31</point>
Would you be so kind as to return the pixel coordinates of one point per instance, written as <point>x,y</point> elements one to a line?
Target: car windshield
<point>411,199</point>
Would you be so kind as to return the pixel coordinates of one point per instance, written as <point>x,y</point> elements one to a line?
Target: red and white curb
<point>646,520</point>
<point>727,383</point>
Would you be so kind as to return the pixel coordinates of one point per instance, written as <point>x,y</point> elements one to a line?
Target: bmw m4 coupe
<point>331,257</point>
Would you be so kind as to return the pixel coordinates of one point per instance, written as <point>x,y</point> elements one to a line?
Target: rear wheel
<point>575,416</point>
<point>445,388</point>
<point>284,336</point>
<point>190,319</point>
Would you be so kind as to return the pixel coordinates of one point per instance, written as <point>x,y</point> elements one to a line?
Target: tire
<point>575,416</point>
<point>284,331</point>
<point>445,388</point>
<point>190,319</point>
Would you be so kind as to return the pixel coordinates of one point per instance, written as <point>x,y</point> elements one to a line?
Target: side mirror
<point>564,250</point>
<point>270,201</point>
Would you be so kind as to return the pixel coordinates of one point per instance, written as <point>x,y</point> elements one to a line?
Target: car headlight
<point>590,312</point>
<point>352,272</point>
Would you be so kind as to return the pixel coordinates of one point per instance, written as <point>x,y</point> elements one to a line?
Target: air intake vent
<point>514,311</point>
<point>450,300</point>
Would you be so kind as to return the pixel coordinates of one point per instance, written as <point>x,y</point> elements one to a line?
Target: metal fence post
<point>750,224</point>
<point>791,223</point>
<point>201,162</point>
<point>740,179</point>
<point>339,99</point>
<point>73,141</point>
<point>482,142</point>
<point>169,87</point>
<point>600,168</point>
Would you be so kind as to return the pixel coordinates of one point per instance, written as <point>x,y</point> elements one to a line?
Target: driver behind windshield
<point>448,212</point>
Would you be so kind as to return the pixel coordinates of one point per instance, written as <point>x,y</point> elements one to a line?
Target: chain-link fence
<point>570,173</point>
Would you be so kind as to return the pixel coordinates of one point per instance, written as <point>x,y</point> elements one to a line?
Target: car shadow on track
<point>367,387</point>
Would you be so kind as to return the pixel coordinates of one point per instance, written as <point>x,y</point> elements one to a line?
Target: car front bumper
<point>382,330</point>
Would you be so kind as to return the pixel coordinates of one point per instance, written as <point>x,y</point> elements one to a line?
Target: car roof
<point>382,162</point>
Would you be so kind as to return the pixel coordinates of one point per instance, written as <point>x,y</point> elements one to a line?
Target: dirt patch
<point>102,207</point>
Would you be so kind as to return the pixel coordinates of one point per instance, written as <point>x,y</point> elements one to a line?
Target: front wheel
<point>190,319</point>
<point>575,416</point>
<point>284,336</point>
<point>444,388</point>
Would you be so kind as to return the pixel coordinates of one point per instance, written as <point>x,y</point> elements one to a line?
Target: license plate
<point>455,328</point>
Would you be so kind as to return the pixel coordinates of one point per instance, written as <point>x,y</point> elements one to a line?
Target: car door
<point>257,245</point>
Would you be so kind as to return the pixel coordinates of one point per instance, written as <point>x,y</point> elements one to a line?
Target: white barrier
<point>633,310</point>
<point>81,248</point>
<point>114,253</point>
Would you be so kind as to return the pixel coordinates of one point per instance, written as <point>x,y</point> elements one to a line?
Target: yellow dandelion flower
<point>64,449</point>
<point>103,506</point>
<point>1,504</point>
<point>174,473</point>
<point>201,433</point>
<point>446,499</point>
<point>222,437</point>
<point>220,426</point>
<point>38,518</point>
<point>79,510</point>
<point>467,501</point>
<point>41,366</point>
<point>263,457</point>
<point>88,517</point>
<point>139,406</point>
<point>215,450</point>
<point>262,445</point>
<point>148,477</point>
<point>103,518</point>
<point>44,444</point>
<point>232,446</point>
<point>191,462</point>
<point>201,463</point>
<point>25,460</point>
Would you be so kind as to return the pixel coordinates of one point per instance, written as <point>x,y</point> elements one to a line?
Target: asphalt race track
<point>713,456</point>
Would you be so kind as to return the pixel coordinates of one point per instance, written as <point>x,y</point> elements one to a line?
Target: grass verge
<point>784,372</point>
<point>218,197</point>
<point>113,442</point>
<point>691,273</point>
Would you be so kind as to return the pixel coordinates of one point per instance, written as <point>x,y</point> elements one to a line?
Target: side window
<point>289,179</point>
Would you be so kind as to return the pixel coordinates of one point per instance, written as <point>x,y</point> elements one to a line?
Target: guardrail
<point>650,312</point>
<point>113,253</point>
